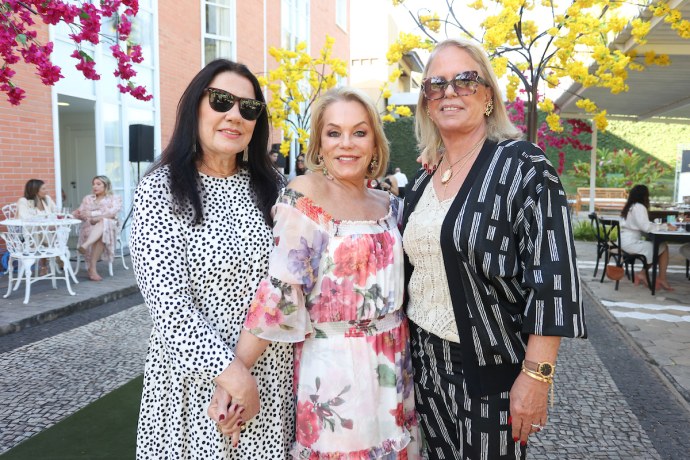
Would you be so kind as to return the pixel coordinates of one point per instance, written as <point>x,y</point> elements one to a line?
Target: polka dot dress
<point>197,282</point>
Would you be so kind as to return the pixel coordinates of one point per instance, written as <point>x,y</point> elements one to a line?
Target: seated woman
<point>636,221</point>
<point>98,233</point>
<point>35,201</point>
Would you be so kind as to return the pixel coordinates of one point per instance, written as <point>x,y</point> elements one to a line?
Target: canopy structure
<point>658,93</point>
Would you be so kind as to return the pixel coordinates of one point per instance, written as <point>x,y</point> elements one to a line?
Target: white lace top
<point>429,306</point>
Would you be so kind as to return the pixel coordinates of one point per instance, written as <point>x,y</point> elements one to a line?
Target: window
<point>219,29</point>
<point>341,13</point>
<point>294,23</point>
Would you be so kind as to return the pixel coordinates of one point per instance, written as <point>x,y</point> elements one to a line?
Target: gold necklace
<point>448,173</point>
<point>218,172</point>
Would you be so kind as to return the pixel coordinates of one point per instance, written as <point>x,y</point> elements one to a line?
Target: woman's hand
<point>528,404</point>
<point>241,385</point>
<point>227,416</point>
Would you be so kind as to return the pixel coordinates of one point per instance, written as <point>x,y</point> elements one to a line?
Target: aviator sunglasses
<point>222,101</point>
<point>464,84</point>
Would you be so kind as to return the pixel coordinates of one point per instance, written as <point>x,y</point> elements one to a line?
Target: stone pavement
<point>46,303</point>
<point>592,419</point>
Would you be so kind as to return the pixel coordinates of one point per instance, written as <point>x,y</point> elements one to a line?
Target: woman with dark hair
<point>636,221</point>
<point>200,241</point>
<point>35,201</point>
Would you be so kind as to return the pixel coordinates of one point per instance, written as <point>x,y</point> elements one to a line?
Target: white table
<point>41,237</point>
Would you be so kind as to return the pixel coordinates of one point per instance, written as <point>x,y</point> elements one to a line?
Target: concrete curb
<point>67,310</point>
<point>681,394</point>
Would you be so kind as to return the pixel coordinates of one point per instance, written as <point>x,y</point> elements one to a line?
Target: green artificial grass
<point>105,429</point>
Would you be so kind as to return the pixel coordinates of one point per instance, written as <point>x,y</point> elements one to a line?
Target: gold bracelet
<point>541,378</point>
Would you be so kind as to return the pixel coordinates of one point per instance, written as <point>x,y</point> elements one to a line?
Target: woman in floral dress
<point>335,289</point>
<point>98,233</point>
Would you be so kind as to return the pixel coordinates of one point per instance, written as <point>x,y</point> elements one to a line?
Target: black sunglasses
<point>222,101</point>
<point>464,84</point>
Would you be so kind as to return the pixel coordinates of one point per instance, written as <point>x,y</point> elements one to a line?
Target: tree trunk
<point>532,116</point>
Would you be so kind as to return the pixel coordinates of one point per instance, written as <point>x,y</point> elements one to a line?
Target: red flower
<point>399,414</point>
<point>307,424</point>
<point>337,301</point>
<point>355,258</point>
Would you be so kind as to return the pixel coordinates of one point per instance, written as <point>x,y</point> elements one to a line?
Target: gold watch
<point>545,369</point>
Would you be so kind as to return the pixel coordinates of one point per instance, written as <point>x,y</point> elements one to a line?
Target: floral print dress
<point>335,288</point>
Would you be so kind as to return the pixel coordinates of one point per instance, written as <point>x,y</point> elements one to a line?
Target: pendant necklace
<point>448,173</point>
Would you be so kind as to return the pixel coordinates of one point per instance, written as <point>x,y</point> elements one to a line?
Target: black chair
<point>610,249</point>
<point>604,244</point>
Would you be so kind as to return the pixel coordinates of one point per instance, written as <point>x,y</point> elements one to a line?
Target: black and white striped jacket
<point>509,255</point>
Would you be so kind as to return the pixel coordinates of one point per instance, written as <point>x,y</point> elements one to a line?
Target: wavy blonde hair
<point>382,153</point>
<point>498,125</point>
<point>106,182</point>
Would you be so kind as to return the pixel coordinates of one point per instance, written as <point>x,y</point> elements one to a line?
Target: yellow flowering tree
<point>536,41</point>
<point>294,86</point>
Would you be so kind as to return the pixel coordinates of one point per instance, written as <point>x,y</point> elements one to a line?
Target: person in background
<point>402,182</point>
<point>273,155</point>
<point>491,269</point>
<point>300,167</point>
<point>200,242</point>
<point>335,289</point>
<point>35,201</point>
<point>635,221</point>
<point>98,232</point>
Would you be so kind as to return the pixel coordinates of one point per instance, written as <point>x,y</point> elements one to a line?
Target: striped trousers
<point>456,426</point>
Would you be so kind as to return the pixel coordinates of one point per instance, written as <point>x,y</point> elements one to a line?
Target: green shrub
<point>403,145</point>
<point>583,231</point>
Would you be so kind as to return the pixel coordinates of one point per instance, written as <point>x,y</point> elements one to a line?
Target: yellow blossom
<point>403,111</point>
<point>600,121</point>
<point>640,29</point>
<point>554,122</point>
<point>586,105</point>
<point>500,65</point>
<point>388,117</point>
<point>546,105</point>
<point>430,21</point>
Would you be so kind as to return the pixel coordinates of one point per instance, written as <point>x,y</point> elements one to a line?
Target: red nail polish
<point>523,443</point>
<point>221,418</point>
<point>510,420</point>
<point>515,439</point>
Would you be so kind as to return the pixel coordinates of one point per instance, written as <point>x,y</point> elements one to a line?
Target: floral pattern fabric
<point>107,207</point>
<point>335,289</point>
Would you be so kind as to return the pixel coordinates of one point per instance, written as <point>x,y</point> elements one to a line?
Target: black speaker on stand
<point>140,145</point>
<point>140,150</point>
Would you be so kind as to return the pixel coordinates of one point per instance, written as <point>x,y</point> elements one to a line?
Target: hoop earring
<point>489,107</point>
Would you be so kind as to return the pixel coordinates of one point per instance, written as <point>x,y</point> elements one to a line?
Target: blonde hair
<point>382,153</point>
<point>499,127</point>
<point>106,182</point>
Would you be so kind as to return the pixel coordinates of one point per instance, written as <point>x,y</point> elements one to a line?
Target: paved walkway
<point>591,419</point>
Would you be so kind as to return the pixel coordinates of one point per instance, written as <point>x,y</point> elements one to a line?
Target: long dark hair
<point>637,194</point>
<point>31,191</point>
<point>184,149</point>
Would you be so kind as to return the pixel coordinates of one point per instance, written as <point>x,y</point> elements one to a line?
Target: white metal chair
<point>10,211</point>
<point>118,243</point>
<point>30,243</point>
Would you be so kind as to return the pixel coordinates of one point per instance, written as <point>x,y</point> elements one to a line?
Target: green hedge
<point>403,145</point>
